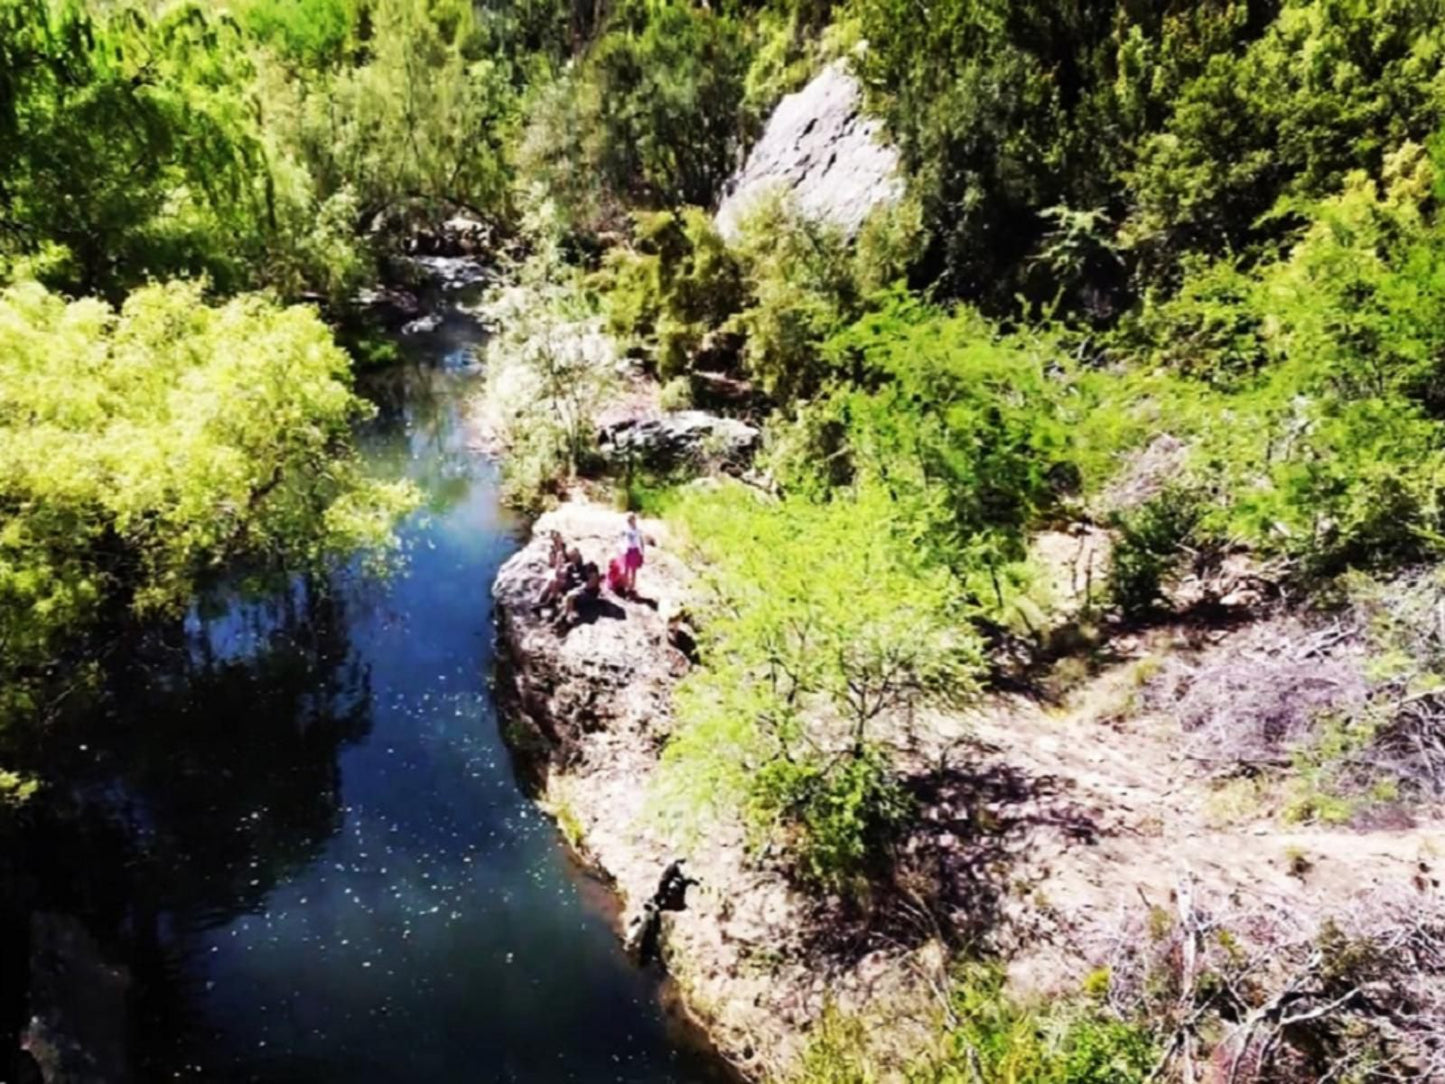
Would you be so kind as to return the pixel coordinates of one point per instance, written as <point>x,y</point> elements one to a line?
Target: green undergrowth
<point>989,1035</point>
<point>940,442</point>
<point>820,632</point>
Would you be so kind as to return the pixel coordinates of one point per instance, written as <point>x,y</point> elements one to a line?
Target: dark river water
<point>297,850</point>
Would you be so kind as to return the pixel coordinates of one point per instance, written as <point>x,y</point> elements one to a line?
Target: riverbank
<point>1045,834</point>
<point>289,842</point>
<point>1072,820</point>
<point>588,714</point>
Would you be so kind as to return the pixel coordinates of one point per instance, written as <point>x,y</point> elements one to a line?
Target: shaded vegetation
<point>148,446</point>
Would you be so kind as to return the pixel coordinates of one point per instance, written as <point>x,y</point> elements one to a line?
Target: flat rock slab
<point>614,670</point>
<point>679,437</point>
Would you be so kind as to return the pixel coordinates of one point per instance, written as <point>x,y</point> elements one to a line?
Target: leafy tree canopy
<point>144,446</point>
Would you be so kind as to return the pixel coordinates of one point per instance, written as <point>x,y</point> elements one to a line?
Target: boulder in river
<point>451,272</point>
<point>460,235</point>
<point>824,152</point>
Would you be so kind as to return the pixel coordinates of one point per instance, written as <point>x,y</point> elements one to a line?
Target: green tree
<point>1329,87</point>
<point>652,117</point>
<point>826,636</point>
<point>146,446</point>
<point>127,149</point>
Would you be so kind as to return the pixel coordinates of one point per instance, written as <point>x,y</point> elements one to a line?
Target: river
<point>297,849</point>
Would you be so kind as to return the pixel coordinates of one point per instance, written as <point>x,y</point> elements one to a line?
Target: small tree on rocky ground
<point>549,369</point>
<point>825,639</point>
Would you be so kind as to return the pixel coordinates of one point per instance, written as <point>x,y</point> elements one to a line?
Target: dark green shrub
<point>1150,547</point>
<point>676,283</point>
<point>840,811</point>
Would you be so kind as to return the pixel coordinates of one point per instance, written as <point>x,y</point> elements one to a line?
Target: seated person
<point>565,576</point>
<point>587,592</point>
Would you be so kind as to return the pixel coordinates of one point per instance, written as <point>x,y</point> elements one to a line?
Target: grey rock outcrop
<point>451,272</point>
<point>460,235</point>
<point>824,152</point>
<point>612,673</point>
<point>680,437</point>
<point>76,1033</point>
<point>392,306</point>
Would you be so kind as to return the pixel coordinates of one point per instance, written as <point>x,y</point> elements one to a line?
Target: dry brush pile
<point>1251,991</point>
<point>1351,699</point>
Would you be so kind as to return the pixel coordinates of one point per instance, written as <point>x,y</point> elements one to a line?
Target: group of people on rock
<point>575,584</point>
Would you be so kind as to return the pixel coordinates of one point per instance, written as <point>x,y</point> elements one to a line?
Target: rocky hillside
<point>1040,829</point>
<point>590,710</point>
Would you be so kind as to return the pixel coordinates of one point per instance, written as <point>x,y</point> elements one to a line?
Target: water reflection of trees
<point>418,430</point>
<point>205,776</point>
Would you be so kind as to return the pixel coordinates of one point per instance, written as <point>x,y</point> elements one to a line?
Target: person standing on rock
<point>631,553</point>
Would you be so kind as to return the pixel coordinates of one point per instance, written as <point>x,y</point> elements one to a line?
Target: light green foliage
<point>802,289</point>
<point>1331,451</point>
<point>1017,1044</point>
<point>806,282</point>
<point>782,60</point>
<point>1329,86</point>
<point>676,394</point>
<point>971,432</point>
<point>839,810</point>
<point>126,152</point>
<point>1320,786</point>
<point>970,422</point>
<point>549,368</point>
<point>16,789</point>
<point>994,1038</point>
<point>1003,110</point>
<point>786,285</point>
<point>418,116</point>
<point>147,445</point>
<point>306,33</point>
<point>826,634</point>
<point>836,1052</point>
<point>1211,330</point>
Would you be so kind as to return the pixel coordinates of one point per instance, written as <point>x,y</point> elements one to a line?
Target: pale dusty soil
<point>1153,816</point>
<point>1040,824</point>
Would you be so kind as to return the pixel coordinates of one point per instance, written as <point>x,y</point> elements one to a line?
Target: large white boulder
<point>824,152</point>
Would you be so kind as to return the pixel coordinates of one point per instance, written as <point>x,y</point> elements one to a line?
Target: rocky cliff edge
<point>823,152</point>
<point>588,712</point>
